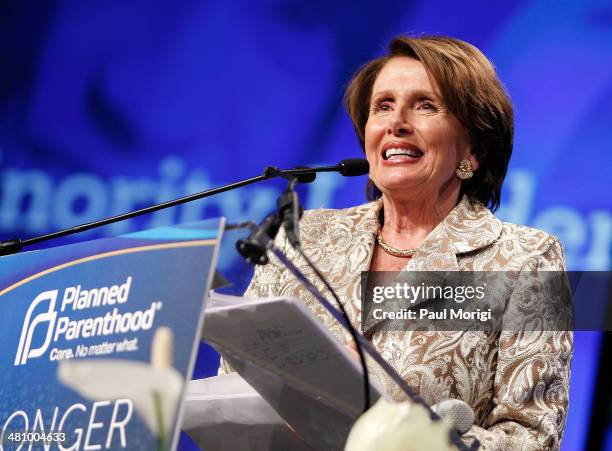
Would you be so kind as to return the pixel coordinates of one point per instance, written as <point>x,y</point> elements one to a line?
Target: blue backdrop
<point>109,106</point>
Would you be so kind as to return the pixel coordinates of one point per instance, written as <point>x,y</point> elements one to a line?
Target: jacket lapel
<point>468,228</point>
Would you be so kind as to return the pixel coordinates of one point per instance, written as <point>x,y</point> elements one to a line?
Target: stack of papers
<point>299,387</point>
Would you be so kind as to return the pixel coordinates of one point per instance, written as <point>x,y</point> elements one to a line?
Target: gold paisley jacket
<point>516,382</point>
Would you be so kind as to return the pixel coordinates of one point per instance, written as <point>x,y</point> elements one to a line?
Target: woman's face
<point>413,144</point>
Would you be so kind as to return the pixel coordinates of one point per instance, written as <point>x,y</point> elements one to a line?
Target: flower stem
<point>162,437</point>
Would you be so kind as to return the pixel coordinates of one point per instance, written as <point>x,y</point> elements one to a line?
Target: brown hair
<point>471,91</point>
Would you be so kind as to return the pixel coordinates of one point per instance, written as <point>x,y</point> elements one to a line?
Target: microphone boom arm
<point>303,175</point>
<point>349,167</point>
<point>15,245</point>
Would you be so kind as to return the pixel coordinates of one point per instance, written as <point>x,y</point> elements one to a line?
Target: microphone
<point>459,414</point>
<point>351,167</point>
<point>289,211</point>
<point>254,248</point>
<point>289,208</point>
<point>354,167</point>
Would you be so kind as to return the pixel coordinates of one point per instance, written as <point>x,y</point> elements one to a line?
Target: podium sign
<point>99,338</point>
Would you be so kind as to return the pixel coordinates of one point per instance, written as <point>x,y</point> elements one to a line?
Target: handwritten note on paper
<point>288,348</point>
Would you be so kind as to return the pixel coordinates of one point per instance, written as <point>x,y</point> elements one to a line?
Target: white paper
<point>282,350</point>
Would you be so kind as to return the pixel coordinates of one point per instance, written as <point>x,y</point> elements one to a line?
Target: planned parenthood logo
<point>24,350</point>
<point>60,324</point>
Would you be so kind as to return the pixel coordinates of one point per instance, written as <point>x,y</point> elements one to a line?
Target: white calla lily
<point>390,426</point>
<point>113,378</point>
<point>154,388</point>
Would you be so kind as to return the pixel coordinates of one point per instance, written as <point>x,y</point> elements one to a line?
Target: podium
<point>99,343</point>
<point>99,339</point>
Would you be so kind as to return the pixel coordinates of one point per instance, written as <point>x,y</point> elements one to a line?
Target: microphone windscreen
<point>459,413</point>
<point>354,167</point>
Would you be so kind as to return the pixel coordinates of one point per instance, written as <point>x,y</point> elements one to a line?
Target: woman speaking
<point>436,126</point>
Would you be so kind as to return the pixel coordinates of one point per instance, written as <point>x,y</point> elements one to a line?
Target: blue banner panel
<point>98,339</point>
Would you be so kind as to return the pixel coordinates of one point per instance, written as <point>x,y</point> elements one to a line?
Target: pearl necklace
<point>404,253</point>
